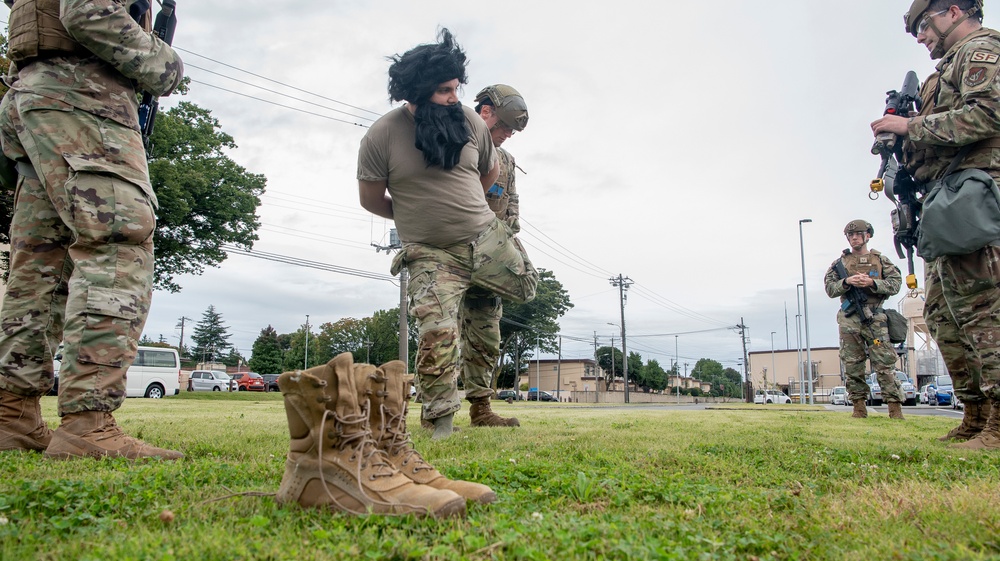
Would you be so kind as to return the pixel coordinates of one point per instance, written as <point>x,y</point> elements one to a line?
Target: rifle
<point>892,177</point>
<point>164,26</point>
<point>857,300</point>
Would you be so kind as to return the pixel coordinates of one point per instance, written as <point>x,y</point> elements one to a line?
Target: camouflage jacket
<point>101,84</point>
<point>960,106</point>
<point>502,197</point>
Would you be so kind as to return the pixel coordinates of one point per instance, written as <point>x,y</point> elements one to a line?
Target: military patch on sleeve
<point>975,77</point>
<point>985,56</point>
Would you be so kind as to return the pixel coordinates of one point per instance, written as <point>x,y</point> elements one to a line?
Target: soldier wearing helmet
<point>875,275</point>
<point>957,124</point>
<point>504,112</point>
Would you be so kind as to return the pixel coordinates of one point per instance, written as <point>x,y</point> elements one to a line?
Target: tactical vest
<point>927,162</point>
<point>35,31</point>
<point>499,202</point>
<point>869,265</point>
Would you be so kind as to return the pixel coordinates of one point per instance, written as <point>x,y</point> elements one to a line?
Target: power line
<point>278,104</point>
<point>305,263</point>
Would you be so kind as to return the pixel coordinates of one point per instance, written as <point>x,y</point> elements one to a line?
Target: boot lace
<point>396,439</point>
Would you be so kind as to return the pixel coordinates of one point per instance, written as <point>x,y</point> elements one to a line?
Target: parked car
<point>771,396</point>
<point>249,381</point>
<point>909,390</point>
<point>922,394</point>
<point>875,389</point>
<point>155,373</point>
<point>210,381</point>
<point>838,396</point>
<point>939,391</point>
<point>512,395</point>
<point>546,396</point>
<point>271,382</point>
<point>956,403</point>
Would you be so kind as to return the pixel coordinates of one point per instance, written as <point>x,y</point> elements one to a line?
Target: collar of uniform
<point>948,56</point>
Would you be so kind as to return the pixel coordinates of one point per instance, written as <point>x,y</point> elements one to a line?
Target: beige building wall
<point>562,377</point>
<point>784,372</point>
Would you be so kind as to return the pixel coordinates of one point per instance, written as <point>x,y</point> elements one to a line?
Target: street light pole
<point>774,373</point>
<point>805,311</point>
<point>798,344</point>
<point>305,361</point>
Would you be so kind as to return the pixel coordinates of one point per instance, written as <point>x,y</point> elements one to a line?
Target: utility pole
<point>559,372</point>
<point>305,361</point>
<point>743,337</point>
<point>180,348</point>
<point>404,280</point>
<point>623,283</point>
<point>612,360</point>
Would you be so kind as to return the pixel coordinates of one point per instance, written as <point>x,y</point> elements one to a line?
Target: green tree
<point>654,377</point>
<point>211,337</point>
<point>605,357</point>
<point>265,357</point>
<point>531,324</point>
<point>295,355</point>
<point>206,199</point>
<point>234,358</point>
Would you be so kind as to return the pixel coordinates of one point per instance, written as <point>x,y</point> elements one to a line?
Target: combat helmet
<point>507,103</point>
<point>859,226</point>
<point>912,18</point>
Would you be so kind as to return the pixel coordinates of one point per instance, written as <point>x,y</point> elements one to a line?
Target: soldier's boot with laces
<point>896,410</point>
<point>332,460</point>
<point>21,423</point>
<point>483,416</point>
<point>989,437</point>
<point>860,410</point>
<point>95,434</point>
<point>389,390</point>
<point>973,421</point>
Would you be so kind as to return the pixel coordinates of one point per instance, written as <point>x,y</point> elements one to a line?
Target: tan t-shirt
<point>430,205</point>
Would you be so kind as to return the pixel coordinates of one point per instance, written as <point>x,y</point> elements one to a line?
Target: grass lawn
<point>573,482</point>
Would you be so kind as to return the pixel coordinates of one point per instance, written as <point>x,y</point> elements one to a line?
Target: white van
<point>155,373</point>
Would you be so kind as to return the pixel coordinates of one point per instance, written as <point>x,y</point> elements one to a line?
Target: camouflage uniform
<point>860,342</point>
<point>439,281</point>
<point>961,101</point>
<point>82,228</point>
<point>481,310</point>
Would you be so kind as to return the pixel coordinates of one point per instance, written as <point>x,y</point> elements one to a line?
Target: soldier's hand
<point>859,280</point>
<point>894,124</point>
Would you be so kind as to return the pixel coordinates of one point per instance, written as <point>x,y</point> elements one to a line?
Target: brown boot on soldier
<point>95,434</point>
<point>388,389</point>
<point>333,461</point>
<point>896,410</point>
<point>21,423</point>
<point>989,437</point>
<point>483,416</point>
<point>860,411</point>
<point>973,422</point>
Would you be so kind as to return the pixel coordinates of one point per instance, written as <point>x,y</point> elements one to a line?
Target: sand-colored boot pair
<point>989,437</point>
<point>973,422</point>
<point>389,390</point>
<point>860,410</point>
<point>333,462</point>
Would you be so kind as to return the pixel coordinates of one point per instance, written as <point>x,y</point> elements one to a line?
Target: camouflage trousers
<point>962,310</point>
<point>479,321</point>
<point>81,253</point>
<point>859,343</point>
<point>439,281</point>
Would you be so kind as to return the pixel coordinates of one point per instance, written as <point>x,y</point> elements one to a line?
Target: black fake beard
<point>442,131</point>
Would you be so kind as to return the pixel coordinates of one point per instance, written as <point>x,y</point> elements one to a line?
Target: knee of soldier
<point>107,209</point>
<point>438,350</point>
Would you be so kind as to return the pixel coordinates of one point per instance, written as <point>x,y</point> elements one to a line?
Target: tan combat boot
<point>389,390</point>
<point>896,410</point>
<point>333,461</point>
<point>973,421</point>
<point>95,434</point>
<point>989,437</point>
<point>860,411</point>
<point>21,423</point>
<point>483,416</point>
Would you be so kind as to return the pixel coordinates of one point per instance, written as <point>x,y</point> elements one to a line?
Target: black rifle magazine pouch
<point>961,214</point>
<point>898,326</point>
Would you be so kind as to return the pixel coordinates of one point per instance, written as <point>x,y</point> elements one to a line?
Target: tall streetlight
<point>774,373</point>
<point>805,311</point>
<point>305,361</point>
<point>798,344</point>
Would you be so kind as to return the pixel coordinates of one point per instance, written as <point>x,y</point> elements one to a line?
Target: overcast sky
<point>677,144</point>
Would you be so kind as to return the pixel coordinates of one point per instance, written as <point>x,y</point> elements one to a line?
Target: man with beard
<point>427,165</point>
<point>864,334</point>
<point>504,112</point>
